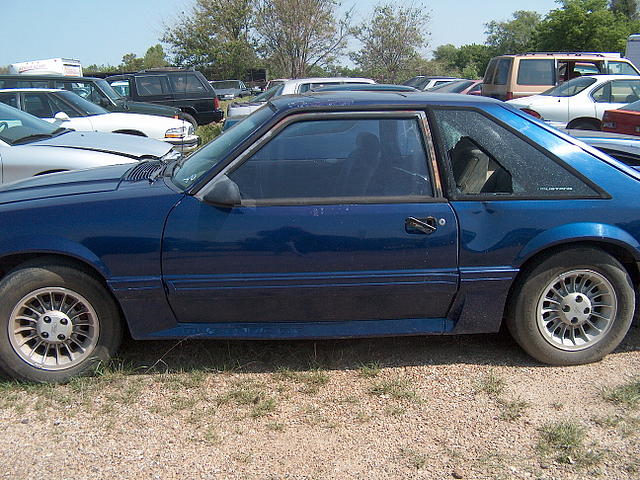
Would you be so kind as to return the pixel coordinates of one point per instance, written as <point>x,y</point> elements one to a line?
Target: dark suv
<point>187,90</point>
<point>96,90</point>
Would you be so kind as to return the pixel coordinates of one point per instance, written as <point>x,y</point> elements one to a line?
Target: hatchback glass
<point>570,88</point>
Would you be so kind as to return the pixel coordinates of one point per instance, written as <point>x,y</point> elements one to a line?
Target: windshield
<point>16,125</point>
<point>632,107</point>
<point>570,88</point>
<point>415,81</point>
<point>222,85</point>
<point>269,94</point>
<point>84,106</point>
<point>452,87</point>
<point>108,90</point>
<point>200,162</point>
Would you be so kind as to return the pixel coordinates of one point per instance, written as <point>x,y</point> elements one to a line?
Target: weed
<point>565,441</point>
<point>263,407</point>
<point>275,426</point>
<point>397,388</point>
<point>511,410</point>
<point>491,384</point>
<point>627,394</point>
<point>369,370</point>
<point>311,381</point>
<point>249,393</point>
<point>414,458</point>
<point>395,411</point>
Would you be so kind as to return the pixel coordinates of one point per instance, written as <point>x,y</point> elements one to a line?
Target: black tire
<point>81,311</point>
<point>191,120</point>
<point>586,125</point>
<point>601,301</point>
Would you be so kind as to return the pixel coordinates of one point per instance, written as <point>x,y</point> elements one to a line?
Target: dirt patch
<point>406,408</point>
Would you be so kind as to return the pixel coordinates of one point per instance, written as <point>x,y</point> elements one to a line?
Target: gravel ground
<point>473,407</point>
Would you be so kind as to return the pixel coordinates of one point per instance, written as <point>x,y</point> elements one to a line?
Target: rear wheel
<point>56,322</point>
<point>572,308</point>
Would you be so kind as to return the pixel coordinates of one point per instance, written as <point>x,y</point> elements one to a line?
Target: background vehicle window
<point>10,99</point>
<point>618,91</point>
<point>57,105</point>
<point>487,159</point>
<point>491,70</point>
<point>536,72</point>
<point>13,83</point>
<point>186,83</point>
<point>37,104</point>
<point>502,71</point>
<point>338,158</point>
<point>149,85</point>
<point>620,68</point>
<point>570,88</point>
<point>121,87</point>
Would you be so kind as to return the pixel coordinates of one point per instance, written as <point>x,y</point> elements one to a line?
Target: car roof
<point>607,77</point>
<point>297,81</point>
<point>367,86</point>
<point>46,90</point>
<point>363,100</point>
<point>25,76</point>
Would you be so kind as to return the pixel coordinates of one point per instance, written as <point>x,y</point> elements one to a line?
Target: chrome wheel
<point>576,309</point>
<point>53,328</point>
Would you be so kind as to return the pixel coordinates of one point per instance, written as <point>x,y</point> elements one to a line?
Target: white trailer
<point>633,49</point>
<point>50,66</point>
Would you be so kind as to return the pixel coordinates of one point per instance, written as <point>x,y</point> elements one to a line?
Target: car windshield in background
<point>196,165</point>
<point>17,126</point>
<point>84,106</point>
<point>269,94</point>
<point>632,107</point>
<point>222,85</point>
<point>570,88</point>
<point>108,90</point>
<point>452,87</point>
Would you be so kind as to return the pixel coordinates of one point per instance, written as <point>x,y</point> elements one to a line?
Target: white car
<point>581,102</point>
<point>30,146</point>
<point>68,110</point>
<point>290,87</point>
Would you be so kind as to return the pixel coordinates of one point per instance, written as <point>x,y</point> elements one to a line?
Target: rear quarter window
<point>536,72</point>
<point>502,71</point>
<point>491,70</point>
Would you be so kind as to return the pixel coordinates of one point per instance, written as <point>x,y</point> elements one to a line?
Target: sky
<point>99,32</point>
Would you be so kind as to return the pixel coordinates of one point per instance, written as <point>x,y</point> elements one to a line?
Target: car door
<point>342,219</point>
<point>615,94</point>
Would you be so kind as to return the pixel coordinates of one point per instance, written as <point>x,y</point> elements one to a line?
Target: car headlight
<point>179,132</point>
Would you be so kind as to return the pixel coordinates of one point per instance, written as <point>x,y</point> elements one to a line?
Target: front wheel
<point>572,308</point>
<point>56,322</point>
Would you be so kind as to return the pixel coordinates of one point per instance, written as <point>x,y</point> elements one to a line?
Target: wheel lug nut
<point>63,321</point>
<point>47,320</point>
<point>586,310</point>
<point>578,299</point>
<point>61,337</point>
<point>566,308</point>
<point>574,320</point>
<point>45,335</point>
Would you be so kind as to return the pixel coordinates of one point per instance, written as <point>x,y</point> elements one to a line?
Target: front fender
<point>50,244</point>
<point>579,232</point>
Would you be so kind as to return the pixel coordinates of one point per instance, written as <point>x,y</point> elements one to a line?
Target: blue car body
<point>179,266</point>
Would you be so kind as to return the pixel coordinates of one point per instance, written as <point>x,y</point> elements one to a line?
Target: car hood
<point>130,146</point>
<point>91,180</point>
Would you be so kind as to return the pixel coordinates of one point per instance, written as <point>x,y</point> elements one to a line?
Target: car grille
<point>142,171</point>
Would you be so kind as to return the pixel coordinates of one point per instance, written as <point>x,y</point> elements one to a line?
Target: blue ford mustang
<point>338,214</point>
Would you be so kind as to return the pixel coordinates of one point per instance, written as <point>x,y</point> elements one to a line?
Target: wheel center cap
<point>54,327</point>
<point>575,309</point>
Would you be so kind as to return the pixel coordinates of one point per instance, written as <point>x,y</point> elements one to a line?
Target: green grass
<point>491,384</point>
<point>369,370</point>
<point>398,389</point>
<point>511,410</point>
<point>311,380</point>
<point>625,395</point>
<point>249,393</point>
<point>564,441</point>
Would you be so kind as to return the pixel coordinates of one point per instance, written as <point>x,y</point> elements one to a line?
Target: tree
<point>469,61</point>
<point>131,63</point>
<point>628,8</point>
<point>584,25</point>
<point>391,40</point>
<point>214,34</point>
<point>513,36</point>
<point>299,35</point>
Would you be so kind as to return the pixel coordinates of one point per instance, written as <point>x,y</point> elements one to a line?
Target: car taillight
<point>216,103</point>
<point>508,96</point>
<point>533,113</point>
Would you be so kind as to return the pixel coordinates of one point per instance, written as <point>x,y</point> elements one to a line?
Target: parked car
<point>275,82</point>
<point>96,90</point>
<point>625,119</point>
<point>625,148</point>
<point>513,76</point>
<point>464,87</point>
<point>292,87</point>
<point>366,87</point>
<point>30,146</point>
<point>581,102</point>
<point>426,82</point>
<point>187,90</point>
<point>230,89</point>
<point>66,109</point>
<point>335,215</point>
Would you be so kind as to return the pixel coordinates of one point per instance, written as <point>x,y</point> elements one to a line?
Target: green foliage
<point>584,25</point>
<point>513,36</point>
<point>627,394</point>
<point>628,8</point>
<point>154,57</point>
<point>214,34</point>
<point>390,42</point>
<point>469,61</point>
<point>297,35</point>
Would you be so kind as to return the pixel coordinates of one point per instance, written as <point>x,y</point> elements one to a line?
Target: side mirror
<point>224,192</point>
<point>61,117</point>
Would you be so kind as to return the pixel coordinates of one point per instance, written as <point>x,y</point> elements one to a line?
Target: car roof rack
<point>579,54</point>
<point>167,69</point>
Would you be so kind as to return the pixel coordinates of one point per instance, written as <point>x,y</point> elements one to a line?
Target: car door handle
<point>420,225</point>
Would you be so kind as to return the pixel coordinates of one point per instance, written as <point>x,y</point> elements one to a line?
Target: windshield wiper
<point>32,138</point>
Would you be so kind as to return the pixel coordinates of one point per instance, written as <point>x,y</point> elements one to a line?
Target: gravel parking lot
<point>426,408</point>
